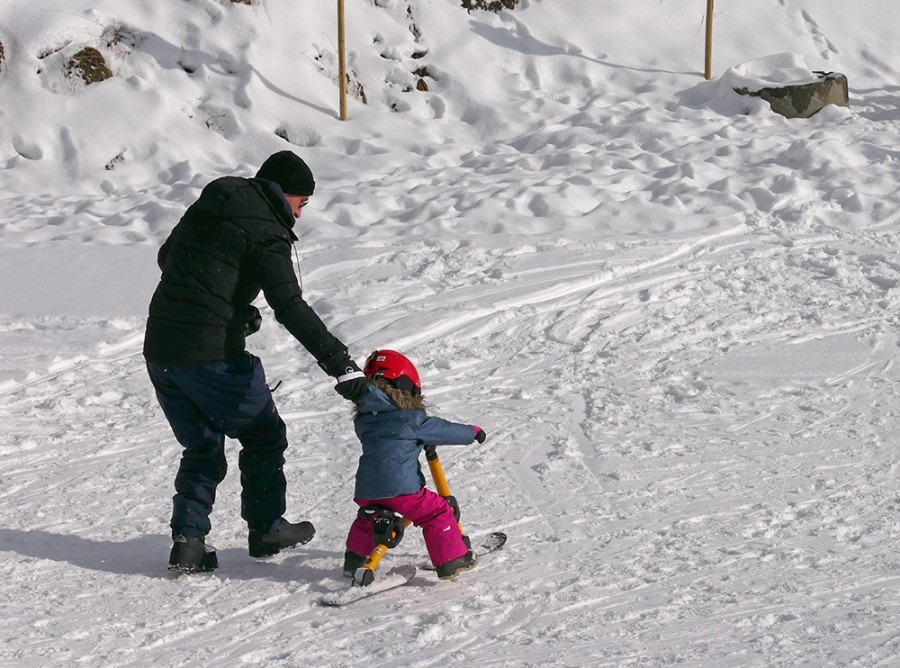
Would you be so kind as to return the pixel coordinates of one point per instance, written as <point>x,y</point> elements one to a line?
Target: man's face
<point>296,202</point>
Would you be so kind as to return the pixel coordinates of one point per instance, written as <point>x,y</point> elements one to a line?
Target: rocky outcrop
<point>804,100</point>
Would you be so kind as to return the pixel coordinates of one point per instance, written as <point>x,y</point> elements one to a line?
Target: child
<point>393,427</point>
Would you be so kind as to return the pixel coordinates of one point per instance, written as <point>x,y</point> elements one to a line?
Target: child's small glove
<point>480,436</point>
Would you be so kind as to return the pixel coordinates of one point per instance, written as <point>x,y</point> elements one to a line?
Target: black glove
<point>352,384</point>
<point>480,436</point>
<point>254,322</point>
<point>337,364</point>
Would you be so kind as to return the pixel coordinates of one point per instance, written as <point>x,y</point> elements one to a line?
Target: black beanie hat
<point>290,172</point>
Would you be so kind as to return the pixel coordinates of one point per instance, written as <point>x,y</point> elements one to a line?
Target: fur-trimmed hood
<point>404,401</point>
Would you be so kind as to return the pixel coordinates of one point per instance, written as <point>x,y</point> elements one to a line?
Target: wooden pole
<point>342,60</point>
<point>709,21</point>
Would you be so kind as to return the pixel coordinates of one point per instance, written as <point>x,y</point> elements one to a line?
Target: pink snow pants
<point>427,510</point>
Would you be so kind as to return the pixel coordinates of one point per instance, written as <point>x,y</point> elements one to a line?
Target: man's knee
<point>266,427</point>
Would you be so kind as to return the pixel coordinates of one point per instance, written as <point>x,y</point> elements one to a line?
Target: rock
<point>89,65</point>
<point>804,100</point>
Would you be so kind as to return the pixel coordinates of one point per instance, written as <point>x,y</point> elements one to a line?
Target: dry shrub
<point>355,89</point>
<point>118,33</point>
<point>489,5</point>
<point>89,65</point>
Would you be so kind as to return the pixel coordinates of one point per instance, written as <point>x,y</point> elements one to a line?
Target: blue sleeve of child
<point>437,431</point>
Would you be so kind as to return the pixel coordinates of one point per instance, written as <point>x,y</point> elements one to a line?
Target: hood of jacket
<point>237,197</point>
<point>375,401</point>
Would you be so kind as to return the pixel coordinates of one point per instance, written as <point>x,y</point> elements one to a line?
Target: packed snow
<point>674,312</point>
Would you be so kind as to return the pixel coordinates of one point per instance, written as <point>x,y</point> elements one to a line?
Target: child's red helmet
<point>394,367</point>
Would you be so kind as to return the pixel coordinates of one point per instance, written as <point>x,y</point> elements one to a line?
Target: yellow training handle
<point>440,480</point>
<point>437,474</point>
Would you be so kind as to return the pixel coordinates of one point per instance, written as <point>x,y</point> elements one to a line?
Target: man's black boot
<point>282,534</point>
<point>191,554</point>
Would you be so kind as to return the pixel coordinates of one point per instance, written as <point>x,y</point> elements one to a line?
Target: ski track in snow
<point>662,538</point>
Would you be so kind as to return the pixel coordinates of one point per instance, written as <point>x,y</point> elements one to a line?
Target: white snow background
<point>674,312</point>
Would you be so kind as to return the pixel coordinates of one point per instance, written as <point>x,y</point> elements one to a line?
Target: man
<point>232,243</point>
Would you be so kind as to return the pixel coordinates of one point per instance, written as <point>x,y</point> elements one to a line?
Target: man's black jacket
<point>234,241</point>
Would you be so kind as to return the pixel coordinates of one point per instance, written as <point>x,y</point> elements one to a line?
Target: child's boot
<point>352,561</point>
<point>456,566</point>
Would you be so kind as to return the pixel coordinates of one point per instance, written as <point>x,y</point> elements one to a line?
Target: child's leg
<point>360,539</point>
<point>439,527</point>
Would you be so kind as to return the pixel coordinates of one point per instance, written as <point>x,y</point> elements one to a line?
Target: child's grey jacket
<point>392,440</point>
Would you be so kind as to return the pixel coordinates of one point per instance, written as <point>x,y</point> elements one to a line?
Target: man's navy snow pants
<point>203,404</point>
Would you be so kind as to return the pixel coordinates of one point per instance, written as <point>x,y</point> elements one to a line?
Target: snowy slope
<point>674,313</point>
